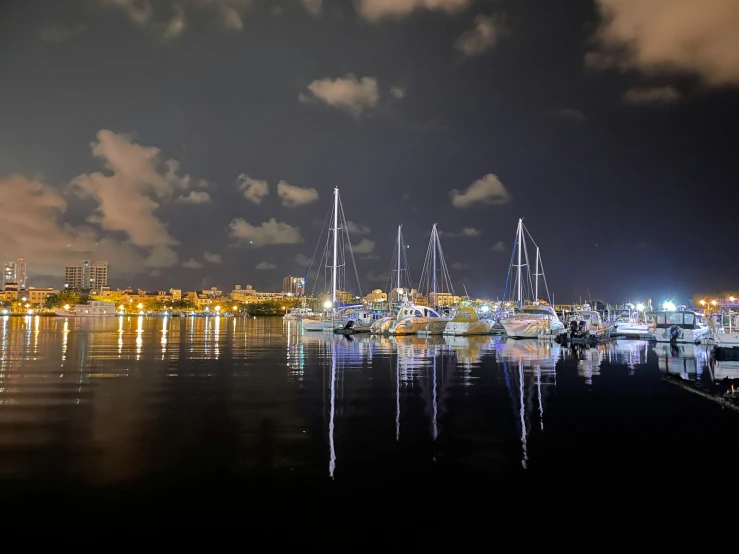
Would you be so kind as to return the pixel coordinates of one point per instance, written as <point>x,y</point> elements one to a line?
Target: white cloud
<point>653,95</point>
<point>487,190</point>
<point>58,33</point>
<point>303,260</point>
<point>170,18</point>
<point>129,195</point>
<point>295,196</point>
<point>212,258</point>
<point>458,266</point>
<point>365,246</point>
<point>313,7</point>
<point>264,266</point>
<point>253,190</point>
<point>466,232</point>
<point>269,232</point>
<point>374,10</point>
<point>32,227</point>
<point>352,95</point>
<point>373,277</point>
<point>357,229</point>
<point>192,263</point>
<point>195,197</point>
<point>498,247</point>
<point>671,37</point>
<point>397,92</point>
<point>481,37</point>
<point>568,113</point>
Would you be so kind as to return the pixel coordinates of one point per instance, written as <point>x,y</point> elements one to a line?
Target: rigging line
<point>351,252</point>
<point>315,252</point>
<point>510,267</point>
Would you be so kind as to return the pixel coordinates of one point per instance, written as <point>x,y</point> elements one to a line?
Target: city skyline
<point>204,150</point>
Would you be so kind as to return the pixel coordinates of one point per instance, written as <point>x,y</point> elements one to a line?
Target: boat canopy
<point>416,311</point>
<point>685,320</point>
<point>540,309</point>
<point>466,315</point>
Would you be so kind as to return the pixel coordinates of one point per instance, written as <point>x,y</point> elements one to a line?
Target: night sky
<point>163,136</point>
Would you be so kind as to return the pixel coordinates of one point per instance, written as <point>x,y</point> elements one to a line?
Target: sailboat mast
<point>397,287</point>
<point>336,247</point>
<point>435,239</point>
<point>520,283</point>
<point>536,273</point>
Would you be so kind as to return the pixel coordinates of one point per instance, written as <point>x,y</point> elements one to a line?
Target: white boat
<point>723,338</point>
<point>96,308</point>
<point>534,320</point>
<point>680,327</point>
<point>587,324</point>
<point>466,322</point>
<point>382,326</point>
<point>413,319</point>
<point>297,313</point>
<point>628,325</point>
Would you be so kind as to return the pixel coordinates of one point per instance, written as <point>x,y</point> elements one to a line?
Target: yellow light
<point>713,302</point>
<point>218,308</point>
<point>732,298</point>
<point>121,307</point>
<point>66,306</point>
<point>139,305</point>
<point>702,302</point>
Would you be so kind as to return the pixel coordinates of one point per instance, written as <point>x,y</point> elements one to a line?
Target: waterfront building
<point>444,299</point>
<point>375,296</point>
<point>87,275</point>
<point>249,295</point>
<point>39,295</point>
<point>202,298</point>
<point>16,272</point>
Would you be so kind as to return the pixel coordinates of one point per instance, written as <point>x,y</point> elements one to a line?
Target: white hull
<point>463,328</point>
<point>321,324</point>
<point>70,313</point>
<point>413,325</point>
<point>688,336</point>
<point>726,340</point>
<point>532,328</point>
<point>632,330</point>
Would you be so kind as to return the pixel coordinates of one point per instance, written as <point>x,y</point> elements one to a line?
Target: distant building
<point>203,298</point>
<point>444,299</point>
<point>87,275</point>
<point>15,272</point>
<point>293,286</point>
<point>376,296</point>
<point>39,296</point>
<point>248,294</point>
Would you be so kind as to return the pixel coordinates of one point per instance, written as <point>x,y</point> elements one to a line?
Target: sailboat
<point>336,314</point>
<point>534,319</point>
<point>412,318</point>
<point>398,285</point>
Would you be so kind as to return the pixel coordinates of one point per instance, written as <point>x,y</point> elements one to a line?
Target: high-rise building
<point>87,275</point>
<point>293,285</point>
<point>16,273</point>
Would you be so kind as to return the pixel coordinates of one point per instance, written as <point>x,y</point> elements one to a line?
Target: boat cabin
<point>416,311</point>
<point>681,319</point>
<point>466,315</point>
<point>537,309</point>
<point>95,307</point>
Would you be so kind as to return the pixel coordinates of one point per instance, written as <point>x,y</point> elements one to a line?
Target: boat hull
<point>321,324</point>
<point>632,330</point>
<point>464,328</point>
<point>70,313</point>
<point>415,325</point>
<point>382,326</point>
<point>532,328</point>
<point>726,340</point>
<point>688,336</point>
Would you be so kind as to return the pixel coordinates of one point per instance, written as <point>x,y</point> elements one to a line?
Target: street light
<point>668,306</point>
<point>218,309</point>
<point>640,307</point>
<point>327,304</point>
<point>713,302</point>
<point>66,307</point>
<point>139,305</point>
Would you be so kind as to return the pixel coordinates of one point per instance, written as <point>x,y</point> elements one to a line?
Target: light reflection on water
<point>125,397</point>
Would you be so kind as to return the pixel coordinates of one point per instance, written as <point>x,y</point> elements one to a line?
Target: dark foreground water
<point>180,422</point>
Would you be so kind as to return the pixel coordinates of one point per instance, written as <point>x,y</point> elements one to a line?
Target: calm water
<point>140,404</point>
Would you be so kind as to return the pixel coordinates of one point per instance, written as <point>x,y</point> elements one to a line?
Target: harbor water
<point>150,413</point>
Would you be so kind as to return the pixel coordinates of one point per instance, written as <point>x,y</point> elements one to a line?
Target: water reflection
<point>138,396</point>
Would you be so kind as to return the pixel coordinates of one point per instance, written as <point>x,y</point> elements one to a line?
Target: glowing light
<point>731,298</point>
<point>640,307</point>
<point>713,302</point>
<point>218,309</point>
<point>668,306</point>
<point>702,302</point>
<point>484,309</point>
<point>30,311</point>
<point>327,304</point>
<point>66,306</point>
<point>24,299</point>
<point>139,305</point>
